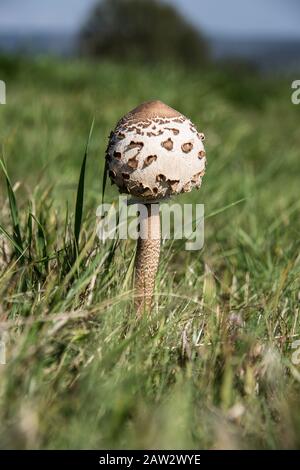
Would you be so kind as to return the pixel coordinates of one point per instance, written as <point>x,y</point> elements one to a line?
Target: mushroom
<point>154,152</point>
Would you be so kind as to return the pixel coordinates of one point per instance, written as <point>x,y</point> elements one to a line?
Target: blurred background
<point>264,33</point>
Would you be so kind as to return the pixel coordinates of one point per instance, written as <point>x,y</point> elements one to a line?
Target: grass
<point>212,367</point>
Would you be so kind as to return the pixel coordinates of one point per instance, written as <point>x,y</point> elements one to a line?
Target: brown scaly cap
<point>152,109</point>
<point>155,152</point>
<point>149,110</point>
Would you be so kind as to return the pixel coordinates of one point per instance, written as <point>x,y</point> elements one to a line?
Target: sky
<point>263,18</point>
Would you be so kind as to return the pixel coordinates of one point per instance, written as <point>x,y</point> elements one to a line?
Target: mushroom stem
<point>147,257</point>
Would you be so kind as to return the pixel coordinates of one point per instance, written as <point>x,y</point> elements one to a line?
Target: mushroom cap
<point>155,152</point>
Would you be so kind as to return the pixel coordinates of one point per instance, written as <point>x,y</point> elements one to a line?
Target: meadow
<point>215,365</point>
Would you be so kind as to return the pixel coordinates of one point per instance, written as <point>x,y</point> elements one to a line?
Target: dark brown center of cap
<point>150,110</point>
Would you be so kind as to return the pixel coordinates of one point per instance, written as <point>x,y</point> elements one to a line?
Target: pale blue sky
<point>279,18</point>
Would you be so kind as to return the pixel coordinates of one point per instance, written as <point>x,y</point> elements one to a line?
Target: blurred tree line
<point>143,30</point>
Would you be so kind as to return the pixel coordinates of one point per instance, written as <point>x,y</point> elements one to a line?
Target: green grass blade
<point>42,240</point>
<point>29,234</point>
<point>13,208</point>
<point>11,239</point>
<point>80,195</point>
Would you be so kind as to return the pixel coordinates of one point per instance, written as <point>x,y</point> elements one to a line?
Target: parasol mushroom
<point>154,153</point>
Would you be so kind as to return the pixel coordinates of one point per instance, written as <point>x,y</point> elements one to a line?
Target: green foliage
<point>212,367</point>
<point>16,235</point>
<point>80,196</point>
<point>145,30</point>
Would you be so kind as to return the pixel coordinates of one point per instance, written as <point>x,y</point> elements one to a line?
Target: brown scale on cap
<point>133,163</point>
<point>173,184</point>
<point>161,177</point>
<point>186,188</point>
<point>117,155</point>
<point>187,147</point>
<point>147,192</point>
<point>153,134</point>
<point>145,125</point>
<point>150,159</point>
<point>195,178</point>
<point>135,145</point>
<point>167,144</point>
<point>175,131</point>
